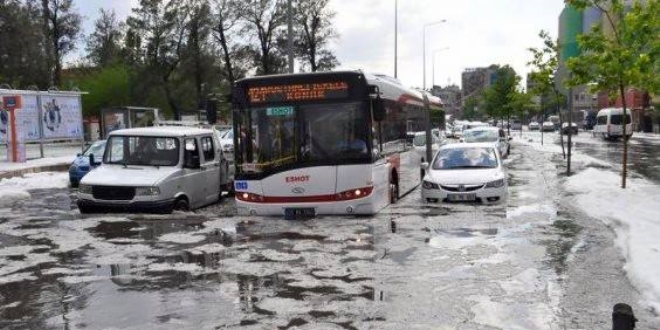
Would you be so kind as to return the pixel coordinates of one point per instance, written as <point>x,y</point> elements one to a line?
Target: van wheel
<point>181,204</point>
<point>394,192</point>
<point>85,209</point>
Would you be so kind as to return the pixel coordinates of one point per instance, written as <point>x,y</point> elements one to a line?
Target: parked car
<point>156,169</point>
<point>465,172</point>
<point>419,144</point>
<point>609,123</point>
<point>548,126</point>
<point>227,141</point>
<point>572,130</point>
<point>449,132</point>
<point>81,166</point>
<point>458,130</point>
<point>492,135</point>
<point>442,139</point>
<point>516,125</point>
<point>534,126</point>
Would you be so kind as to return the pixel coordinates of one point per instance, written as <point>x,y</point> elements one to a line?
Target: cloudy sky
<point>476,33</point>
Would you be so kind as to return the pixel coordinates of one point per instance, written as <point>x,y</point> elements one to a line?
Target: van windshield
<point>142,150</point>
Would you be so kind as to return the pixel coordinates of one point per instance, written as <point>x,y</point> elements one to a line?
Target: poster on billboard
<point>27,119</point>
<point>61,116</point>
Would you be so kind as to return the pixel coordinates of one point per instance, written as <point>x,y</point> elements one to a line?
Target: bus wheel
<point>394,192</point>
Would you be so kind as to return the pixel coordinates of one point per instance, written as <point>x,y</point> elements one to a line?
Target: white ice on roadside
<point>182,238</point>
<point>634,214</point>
<point>515,212</point>
<point>15,189</point>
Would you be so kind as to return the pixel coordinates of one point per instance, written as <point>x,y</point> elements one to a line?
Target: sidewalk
<point>57,158</point>
<point>632,213</point>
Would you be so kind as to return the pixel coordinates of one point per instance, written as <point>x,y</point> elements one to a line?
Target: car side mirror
<point>424,166</point>
<point>92,161</point>
<point>378,108</point>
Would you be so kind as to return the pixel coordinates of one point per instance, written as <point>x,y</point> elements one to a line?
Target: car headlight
<point>85,189</point>
<point>147,191</point>
<point>429,185</point>
<point>495,184</point>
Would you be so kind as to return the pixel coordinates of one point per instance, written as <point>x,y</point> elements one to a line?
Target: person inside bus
<point>354,145</point>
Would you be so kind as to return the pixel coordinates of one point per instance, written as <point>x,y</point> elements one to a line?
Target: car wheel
<point>181,204</point>
<point>74,184</point>
<point>84,209</point>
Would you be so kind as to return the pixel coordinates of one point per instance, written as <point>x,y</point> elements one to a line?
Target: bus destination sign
<point>298,92</point>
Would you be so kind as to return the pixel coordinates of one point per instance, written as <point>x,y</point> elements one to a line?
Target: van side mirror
<point>424,166</point>
<point>378,107</point>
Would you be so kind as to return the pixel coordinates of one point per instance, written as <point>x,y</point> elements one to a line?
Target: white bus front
<point>308,159</point>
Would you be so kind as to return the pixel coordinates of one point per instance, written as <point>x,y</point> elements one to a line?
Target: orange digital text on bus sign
<point>298,92</point>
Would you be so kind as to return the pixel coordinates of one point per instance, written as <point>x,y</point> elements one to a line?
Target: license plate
<point>299,213</point>
<point>461,197</point>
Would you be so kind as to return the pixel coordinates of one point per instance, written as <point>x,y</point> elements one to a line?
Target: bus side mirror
<point>378,107</point>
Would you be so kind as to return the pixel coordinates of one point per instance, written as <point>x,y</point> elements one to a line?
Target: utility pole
<point>424,49</point>
<point>290,35</point>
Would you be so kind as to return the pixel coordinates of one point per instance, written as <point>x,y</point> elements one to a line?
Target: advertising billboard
<point>61,116</point>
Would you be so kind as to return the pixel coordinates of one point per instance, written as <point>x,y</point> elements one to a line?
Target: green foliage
<point>471,108</point>
<point>544,63</point>
<point>499,98</point>
<point>629,55</point>
<point>107,87</point>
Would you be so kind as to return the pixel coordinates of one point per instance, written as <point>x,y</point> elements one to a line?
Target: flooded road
<point>529,264</point>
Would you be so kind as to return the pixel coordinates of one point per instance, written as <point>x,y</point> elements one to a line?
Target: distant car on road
<point>465,172</point>
<point>534,126</point>
<point>516,125</point>
<point>548,126</point>
<point>492,135</point>
<point>572,130</point>
<point>419,143</point>
<point>80,165</point>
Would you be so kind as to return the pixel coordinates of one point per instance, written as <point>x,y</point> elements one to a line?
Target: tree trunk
<point>561,137</point>
<point>624,168</point>
<point>225,52</point>
<point>569,131</point>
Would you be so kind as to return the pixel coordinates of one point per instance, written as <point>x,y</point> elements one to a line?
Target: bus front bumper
<point>361,206</point>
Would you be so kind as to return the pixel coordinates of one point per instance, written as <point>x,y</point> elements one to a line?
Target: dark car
<point>80,166</point>
<point>573,129</point>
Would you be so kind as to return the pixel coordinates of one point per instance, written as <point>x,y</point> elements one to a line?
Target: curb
<point>45,168</point>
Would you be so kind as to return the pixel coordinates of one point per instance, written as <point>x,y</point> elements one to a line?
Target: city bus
<point>324,143</point>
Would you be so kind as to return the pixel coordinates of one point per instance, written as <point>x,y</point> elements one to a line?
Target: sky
<point>475,33</point>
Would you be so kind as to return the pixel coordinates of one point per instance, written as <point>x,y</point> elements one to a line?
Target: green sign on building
<point>279,111</point>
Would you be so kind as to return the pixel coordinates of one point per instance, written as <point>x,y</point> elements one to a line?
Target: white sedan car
<point>465,172</point>
<point>492,135</point>
<point>419,143</point>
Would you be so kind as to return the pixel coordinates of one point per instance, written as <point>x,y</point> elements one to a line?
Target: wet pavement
<point>534,263</point>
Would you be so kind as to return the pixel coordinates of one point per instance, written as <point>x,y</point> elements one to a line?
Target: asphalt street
<point>535,262</point>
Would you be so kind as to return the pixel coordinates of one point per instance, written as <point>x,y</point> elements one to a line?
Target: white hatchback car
<point>465,172</point>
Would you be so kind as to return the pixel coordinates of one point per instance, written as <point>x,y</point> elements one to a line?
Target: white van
<point>609,123</point>
<point>156,169</point>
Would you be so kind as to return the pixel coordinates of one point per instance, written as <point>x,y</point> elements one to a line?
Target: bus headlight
<point>85,189</point>
<point>147,191</point>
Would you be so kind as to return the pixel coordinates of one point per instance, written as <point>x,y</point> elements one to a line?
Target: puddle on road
<point>561,249</point>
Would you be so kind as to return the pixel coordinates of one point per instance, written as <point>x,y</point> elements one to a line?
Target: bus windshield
<point>284,136</point>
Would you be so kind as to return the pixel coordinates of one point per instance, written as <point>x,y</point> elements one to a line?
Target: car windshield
<point>480,136</point>
<point>142,150</point>
<point>95,149</point>
<point>465,158</point>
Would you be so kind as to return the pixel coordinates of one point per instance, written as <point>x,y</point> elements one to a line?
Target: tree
<point>499,97</point>
<point>61,29</point>
<point>22,59</point>
<point>265,19</point>
<point>108,86</point>
<point>629,56</point>
<point>313,32</point>
<point>545,63</point>
<point>104,44</point>
<point>161,27</point>
<point>226,17</point>
<point>471,107</point>
<point>197,55</point>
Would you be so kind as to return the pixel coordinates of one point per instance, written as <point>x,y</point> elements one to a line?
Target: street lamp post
<point>424,49</point>
<point>396,33</point>
<point>433,65</point>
